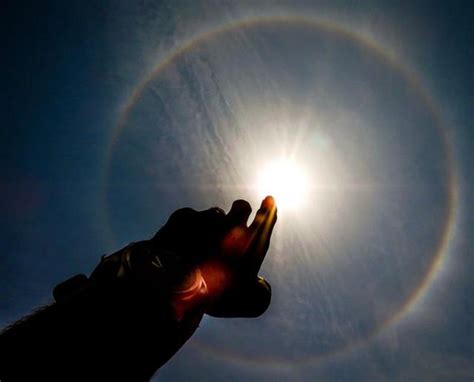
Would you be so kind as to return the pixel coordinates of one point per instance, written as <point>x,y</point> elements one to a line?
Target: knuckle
<point>217,211</point>
<point>181,214</point>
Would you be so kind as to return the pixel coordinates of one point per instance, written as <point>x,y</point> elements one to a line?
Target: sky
<point>116,113</point>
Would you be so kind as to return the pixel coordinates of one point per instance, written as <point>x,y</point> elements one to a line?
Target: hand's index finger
<point>265,215</point>
<point>261,230</point>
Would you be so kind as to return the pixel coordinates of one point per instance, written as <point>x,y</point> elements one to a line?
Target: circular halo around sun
<point>139,145</point>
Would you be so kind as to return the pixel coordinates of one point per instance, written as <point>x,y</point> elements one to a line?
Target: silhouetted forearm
<point>103,335</point>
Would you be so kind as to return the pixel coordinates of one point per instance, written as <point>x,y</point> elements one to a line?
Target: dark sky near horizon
<point>370,96</point>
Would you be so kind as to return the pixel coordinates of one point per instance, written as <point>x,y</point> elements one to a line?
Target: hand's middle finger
<point>239,213</point>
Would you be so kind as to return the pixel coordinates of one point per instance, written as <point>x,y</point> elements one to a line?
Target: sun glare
<point>286,181</point>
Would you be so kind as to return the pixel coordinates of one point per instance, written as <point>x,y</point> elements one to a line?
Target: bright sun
<point>286,181</point>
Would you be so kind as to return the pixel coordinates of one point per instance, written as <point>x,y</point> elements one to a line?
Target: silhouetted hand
<point>235,289</point>
<point>225,252</point>
<point>150,294</point>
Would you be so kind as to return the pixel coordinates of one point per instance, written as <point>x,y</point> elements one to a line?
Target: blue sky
<point>341,98</point>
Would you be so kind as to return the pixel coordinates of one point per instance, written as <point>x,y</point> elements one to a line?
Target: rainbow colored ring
<point>411,78</point>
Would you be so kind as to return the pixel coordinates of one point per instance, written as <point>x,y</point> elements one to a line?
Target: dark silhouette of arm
<point>142,303</point>
<point>104,335</point>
